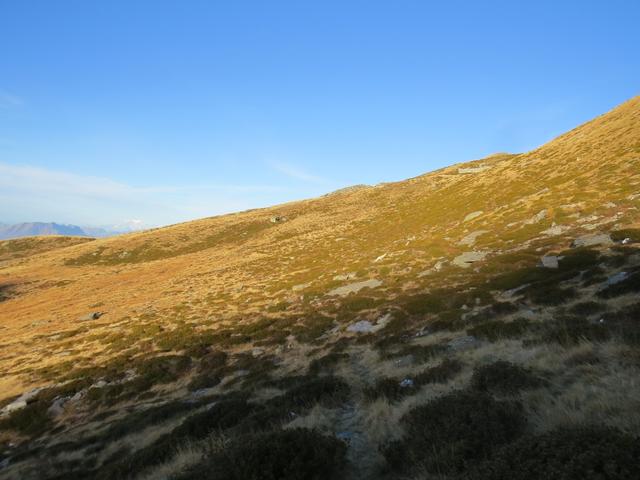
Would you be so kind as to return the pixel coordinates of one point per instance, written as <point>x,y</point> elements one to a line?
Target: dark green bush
<point>453,432</point>
<point>294,454</point>
<point>549,294</point>
<point>586,308</point>
<point>305,392</point>
<point>391,388</point>
<point>422,303</point>
<point>312,328</point>
<point>31,420</point>
<point>495,330</point>
<point>632,233</point>
<point>569,330</point>
<point>504,377</point>
<point>326,363</point>
<point>588,453</point>
<point>203,380</point>
<point>441,373</point>
<point>224,414</point>
<point>420,353</point>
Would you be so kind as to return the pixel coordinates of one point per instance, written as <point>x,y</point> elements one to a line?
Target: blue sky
<point>164,111</point>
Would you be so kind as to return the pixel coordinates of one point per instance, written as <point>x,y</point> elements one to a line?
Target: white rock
<point>592,240</point>
<point>550,261</point>
<point>463,343</point>
<point>478,169</point>
<point>21,402</point>
<point>362,326</point>
<point>301,286</point>
<point>470,239</point>
<point>381,257</point>
<point>537,218</point>
<point>467,258</point>
<point>407,382</point>
<point>472,215</point>
<point>57,407</point>
<point>617,278</point>
<point>355,287</point>
<point>556,230</point>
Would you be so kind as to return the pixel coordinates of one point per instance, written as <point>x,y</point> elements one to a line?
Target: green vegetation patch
<point>505,378</point>
<point>590,453</point>
<point>293,454</point>
<point>497,329</point>
<point>453,432</point>
<point>394,389</point>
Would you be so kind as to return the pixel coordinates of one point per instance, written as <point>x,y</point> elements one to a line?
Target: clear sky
<point>163,111</point>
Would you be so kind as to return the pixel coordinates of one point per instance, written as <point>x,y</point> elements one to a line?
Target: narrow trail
<point>362,453</point>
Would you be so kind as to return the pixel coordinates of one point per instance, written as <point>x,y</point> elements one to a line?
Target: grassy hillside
<point>439,327</point>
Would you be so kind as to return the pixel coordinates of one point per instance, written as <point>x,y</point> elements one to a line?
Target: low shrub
<point>441,373</point>
<point>420,353</point>
<point>292,454</point>
<point>576,453</point>
<point>326,363</point>
<point>505,378</point>
<point>587,308</point>
<point>422,303</point>
<point>224,414</point>
<point>453,432</point>
<point>496,330</point>
<point>570,330</point>
<point>393,389</point>
<point>31,420</point>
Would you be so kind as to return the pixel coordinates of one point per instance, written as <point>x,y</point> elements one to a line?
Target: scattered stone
<point>626,241</point>
<point>537,218</point>
<point>406,383</point>
<point>556,230</point>
<point>472,215</point>
<point>591,240</point>
<point>278,219</point>
<point>466,259</point>
<point>617,278</point>
<point>99,384</point>
<point>381,257</point>
<point>404,361</point>
<point>436,268</point>
<point>257,352</point>
<point>463,343</point>
<point>302,286</point>
<point>365,326</point>
<point>477,169</point>
<point>550,261</point>
<point>21,402</point>
<point>355,287</point>
<point>91,316</point>
<point>345,436</point>
<point>57,407</point>
<point>470,239</point>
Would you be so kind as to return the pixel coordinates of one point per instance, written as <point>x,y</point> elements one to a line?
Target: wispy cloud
<point>295,172</point>
<point>28,192</point>
<point>8,100</point>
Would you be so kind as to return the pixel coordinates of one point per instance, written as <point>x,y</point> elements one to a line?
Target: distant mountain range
<point>30,229</point>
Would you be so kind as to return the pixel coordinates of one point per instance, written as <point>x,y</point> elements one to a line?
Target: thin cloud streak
<point>28,192</point>
<point>8,100</point>
<point>296,173</point>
